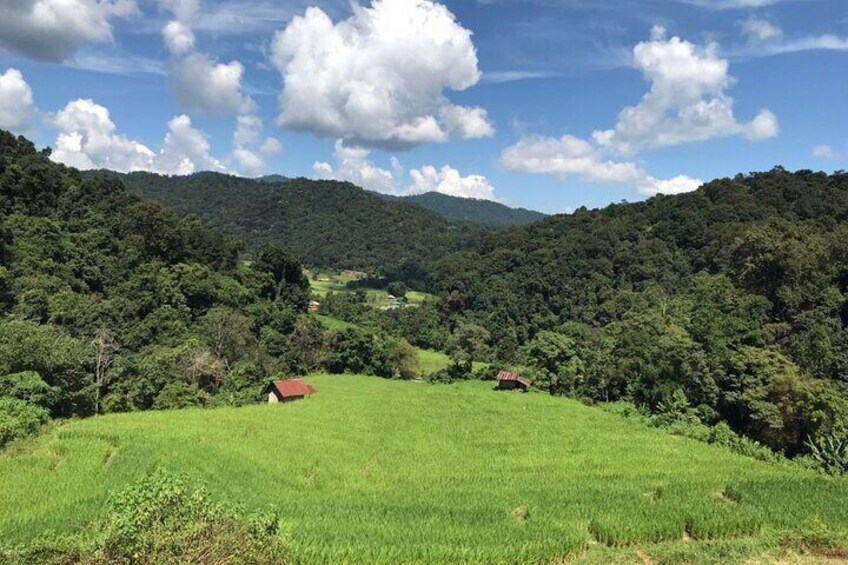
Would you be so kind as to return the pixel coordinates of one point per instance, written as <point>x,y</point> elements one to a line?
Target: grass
<point>333,282</point>
<point>379,471</point>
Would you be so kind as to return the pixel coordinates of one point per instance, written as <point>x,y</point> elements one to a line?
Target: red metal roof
<point>293,387</point>
<point>507,376</point>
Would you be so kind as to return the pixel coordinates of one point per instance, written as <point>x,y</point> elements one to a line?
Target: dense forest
<point>470,210</point>
<point>325,223</point>
<point>726,304</point>
<point>110,302</point>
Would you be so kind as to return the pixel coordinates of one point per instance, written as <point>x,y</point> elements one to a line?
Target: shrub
<point>30,387</point>
<point>178,395</point>
<point>165,520</point>
<point>19,419</point>
<point>830,453</point>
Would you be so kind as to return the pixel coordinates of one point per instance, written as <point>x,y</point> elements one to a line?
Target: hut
<point>513,381</point>
<point>314,305</point>
<point>288,391</point>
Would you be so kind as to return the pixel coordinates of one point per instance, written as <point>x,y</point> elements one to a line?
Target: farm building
<point>512,381</point>
<point>287,391</point>
<point>314,305</point>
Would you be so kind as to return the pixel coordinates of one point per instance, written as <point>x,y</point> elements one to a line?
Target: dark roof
<point>292,387</point>
<point>507,376</point>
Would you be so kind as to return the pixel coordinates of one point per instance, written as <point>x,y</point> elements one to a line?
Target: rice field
<point>378,471</point>
<point>333,282</point>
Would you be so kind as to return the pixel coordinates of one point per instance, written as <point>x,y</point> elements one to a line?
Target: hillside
<point>470,210</point>
<point>729,303</point>
<point>109,302</point>
<point>326,223</point>
<point>376,471</point>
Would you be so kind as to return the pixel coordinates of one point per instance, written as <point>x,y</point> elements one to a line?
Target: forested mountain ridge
<point>325,223</point>
<point>730,302</point>
<point>470,210</point>
<point>109,302</point>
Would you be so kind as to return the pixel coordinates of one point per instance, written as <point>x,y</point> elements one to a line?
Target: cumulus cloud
<point>448,180</point>
<point>52,30</point>
<point>379,78</point>
<point>353,165</point>
<point>178,37</point>
<point>571,156</point>
<point>16,104</point>
<point>250,150</point>
<point>201,83</point>
<point>88,139</point>
<point>687,101</point>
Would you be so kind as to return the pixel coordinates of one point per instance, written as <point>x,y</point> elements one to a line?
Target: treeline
<point>325,223</point>
<point>728,304</point>
<point>110,302</point>
<point>469,210</point>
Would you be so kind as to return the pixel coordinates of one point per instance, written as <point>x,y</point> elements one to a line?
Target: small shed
<point>513,381</point>
<point>288,390</point>
<point>314,305</point>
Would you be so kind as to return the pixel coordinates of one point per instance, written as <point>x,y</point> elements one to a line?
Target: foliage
<point>831,453</point>
<point>469,210</point>
<point>110,302</point>
<point>324,223</point>
<point>30,387</point>
<point>19,419</point>
<point>735,295</point>
<point>166,519</point>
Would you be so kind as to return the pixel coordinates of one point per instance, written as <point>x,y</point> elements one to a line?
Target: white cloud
<point>185,150</point>
<point>467,123</point>
<point>449,181</point>
<point>827,152</point>
<point>178,37</point>
<point>353,165</point>
<point>16,103</point>
<point>88,140</point>
<point>183,10</point>
<point>824,152</point>
<point>52,30</point>
<point>249,148</point>
<point>571,156</point>
<point>379,77</point>
<point>686,103</point>
<point>200,83</point>
<point>758,29</point>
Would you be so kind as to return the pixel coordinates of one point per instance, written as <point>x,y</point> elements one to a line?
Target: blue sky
<point>545,104</point>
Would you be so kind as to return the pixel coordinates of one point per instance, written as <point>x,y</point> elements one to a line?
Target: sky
<point>545,104</point>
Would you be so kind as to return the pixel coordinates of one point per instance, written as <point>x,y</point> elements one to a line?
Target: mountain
<point>110,302</point>
<point>274,178</point>
<point>470,210</point>
<point>726,304</point>
<point>326,223</point>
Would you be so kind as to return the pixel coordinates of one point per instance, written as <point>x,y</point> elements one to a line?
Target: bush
<point>830,453</point>
<point>178,395</point>
<point>19,419</point>
<point>165,519</point>
<point>30,387</point>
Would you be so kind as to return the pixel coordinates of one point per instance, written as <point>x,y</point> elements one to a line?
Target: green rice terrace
<point>380,471</point>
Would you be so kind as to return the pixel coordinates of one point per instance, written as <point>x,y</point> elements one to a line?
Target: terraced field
<point>378,471</point>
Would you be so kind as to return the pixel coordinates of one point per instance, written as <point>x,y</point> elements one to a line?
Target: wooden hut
<point>288,391</point>
<point>513,381</point>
